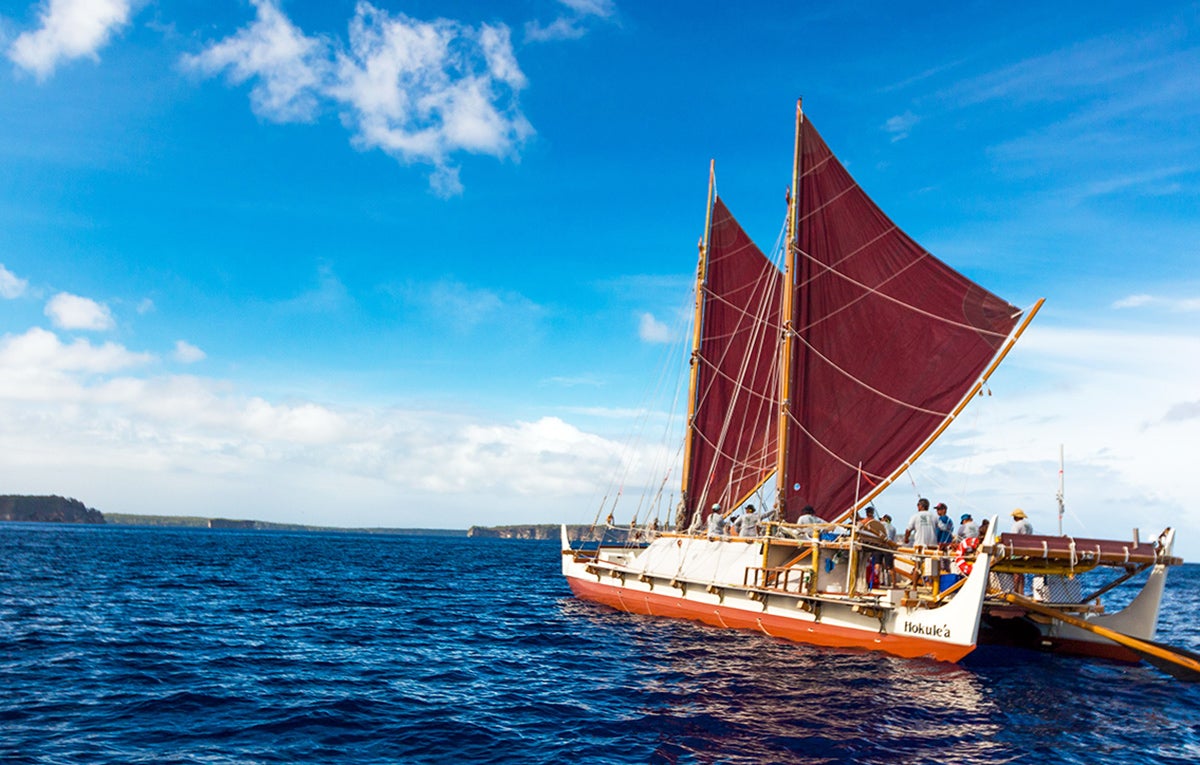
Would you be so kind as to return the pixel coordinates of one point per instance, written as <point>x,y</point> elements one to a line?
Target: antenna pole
<point>1061,489</point>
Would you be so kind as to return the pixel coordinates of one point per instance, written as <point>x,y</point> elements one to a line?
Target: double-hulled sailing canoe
<point>818,381</point>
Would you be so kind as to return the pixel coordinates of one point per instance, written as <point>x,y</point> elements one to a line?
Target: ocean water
<point>131,645</point>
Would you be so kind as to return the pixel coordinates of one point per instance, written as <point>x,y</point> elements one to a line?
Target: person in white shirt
<point>967,528</point>
<point>1021,525</point>
<point>809,518</point>
<point>716,522</point>
<point>921,530</point>
<point>749,524</point>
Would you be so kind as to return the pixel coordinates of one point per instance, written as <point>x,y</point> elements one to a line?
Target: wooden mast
<point>701,278</point>
<point>788,313</point>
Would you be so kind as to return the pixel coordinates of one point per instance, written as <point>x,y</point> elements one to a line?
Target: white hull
<point>714,581</point>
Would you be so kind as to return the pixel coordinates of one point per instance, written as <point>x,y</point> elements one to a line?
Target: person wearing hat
<point>944,525</point>
<point>922,531</point>
<point>891,530</point>
<point>873,527</point>
<point>1021,524</point>
<point>716,522</point>
<point>967,528</point>
<point>810,519</point>
<point>749,524</point>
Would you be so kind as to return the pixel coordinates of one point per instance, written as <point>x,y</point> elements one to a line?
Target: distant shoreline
<point>190,521</point>
<point>56,509</point>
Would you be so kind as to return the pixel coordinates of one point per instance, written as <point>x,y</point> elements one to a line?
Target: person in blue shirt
<point>945,533</point>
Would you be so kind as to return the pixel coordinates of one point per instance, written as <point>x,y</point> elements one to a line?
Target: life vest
<point>961,550</point>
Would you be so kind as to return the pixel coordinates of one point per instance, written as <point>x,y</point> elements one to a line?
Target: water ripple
<point>125,645</point>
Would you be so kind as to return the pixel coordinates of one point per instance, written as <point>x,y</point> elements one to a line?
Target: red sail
<point>734,429</point>
<point>888,340</point>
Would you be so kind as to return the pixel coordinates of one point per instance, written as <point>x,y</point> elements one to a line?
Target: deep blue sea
<point>137,645</point>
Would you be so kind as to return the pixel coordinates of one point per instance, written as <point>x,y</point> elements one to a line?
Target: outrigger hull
<point>705,580</point>
<point>1012,626</point>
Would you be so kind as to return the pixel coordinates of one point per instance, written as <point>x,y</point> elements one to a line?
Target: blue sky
<point>417,263</point>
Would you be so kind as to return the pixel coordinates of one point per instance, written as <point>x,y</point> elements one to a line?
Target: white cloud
<point>423,90</point>
<point>187,353</point>
<point>601,8</point>
<point>572,25</point>
<point>79,420</point>
<point>69,29</point>
<point>651,330</point>
<point>463,307</point>
<point>68,311</point>
<point>1120,404</point>
<point>548,456</point>
<point>562,28</point>
<point>1176,305</point>
<point>900,125</point>
<point>11,286</point>
<point>1133,301</point>
<point>287,66</point>
<point>571,382</point>
<point>419,91</point>
<point>37,366</point>
<point>41,350</point>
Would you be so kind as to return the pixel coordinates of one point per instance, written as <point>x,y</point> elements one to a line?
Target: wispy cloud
<point>1074,71</point>
<point>1179,305</point>
<point>67,311</point>
<point>69,29</point>
<point>573,24</point>
<point>11,285</point>
<point>900,125</point>
<point>462,307</point>
<point>187,353</point>
<point>420,91</point>
<point>651,330</point>
<point>1189,410</point>
<point>327,296</point>
<point>573,382</point>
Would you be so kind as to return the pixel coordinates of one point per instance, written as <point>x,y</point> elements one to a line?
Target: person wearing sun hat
<point>1021,524</point>
<point>967,527</point>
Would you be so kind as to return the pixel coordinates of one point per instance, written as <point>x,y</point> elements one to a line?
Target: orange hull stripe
<point>797,630</point>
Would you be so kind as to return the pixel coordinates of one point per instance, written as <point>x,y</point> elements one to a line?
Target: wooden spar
<point>787,311</point>
<point>1008,345</point>
<point>851,579</point>
<point>1181,665</point>
<point>701,276</point>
